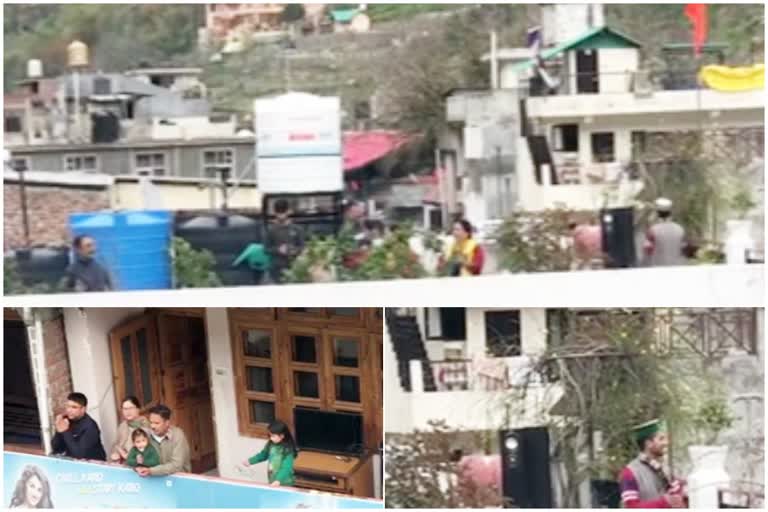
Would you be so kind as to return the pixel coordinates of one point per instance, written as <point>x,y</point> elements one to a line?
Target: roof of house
<point>596,38</point>
<point>363,148</point>
<point>343,15</point>
<point>120,84</point>
<point>168,70</point>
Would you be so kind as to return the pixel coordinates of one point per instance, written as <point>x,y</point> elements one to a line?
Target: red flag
<point>697,14</point>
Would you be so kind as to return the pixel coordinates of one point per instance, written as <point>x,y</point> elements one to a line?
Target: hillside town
<point>579,148</point>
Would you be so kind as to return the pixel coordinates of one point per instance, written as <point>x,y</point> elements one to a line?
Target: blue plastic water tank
<point>133,245</point>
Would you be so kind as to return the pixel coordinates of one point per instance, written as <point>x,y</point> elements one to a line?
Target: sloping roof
<point>343,15</point>
<point>363,148</point>
<point>596,38</point>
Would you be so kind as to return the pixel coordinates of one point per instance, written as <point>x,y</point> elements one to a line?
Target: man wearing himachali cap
<point>643,482</point>
<point>665,240</point>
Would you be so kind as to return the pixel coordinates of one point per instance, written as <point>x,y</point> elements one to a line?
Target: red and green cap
<point>647,429</point>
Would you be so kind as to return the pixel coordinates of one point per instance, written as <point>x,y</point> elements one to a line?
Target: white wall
<point>397,403</point>
<point>739,108</point>
<point>615,67</point>
<point>470,410</point>
<point>231,447</point>
<point>87,332</point>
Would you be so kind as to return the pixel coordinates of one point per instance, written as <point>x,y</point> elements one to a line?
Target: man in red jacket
<point>643,482</point>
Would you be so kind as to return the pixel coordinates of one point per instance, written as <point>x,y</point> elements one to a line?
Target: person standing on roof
<point>85,274</point>
<point>665,241</point>
<point>285,240</point>
<point>643,482</point>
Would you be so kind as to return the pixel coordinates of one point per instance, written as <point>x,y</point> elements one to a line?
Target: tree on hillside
<point>413,82</point>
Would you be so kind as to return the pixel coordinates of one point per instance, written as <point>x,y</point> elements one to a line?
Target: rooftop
<point>596,38</point>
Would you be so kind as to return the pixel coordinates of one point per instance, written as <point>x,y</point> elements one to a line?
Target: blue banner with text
<point>34,481</point>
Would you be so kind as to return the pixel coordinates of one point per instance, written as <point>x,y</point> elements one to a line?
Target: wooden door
<point>186,384</point>
<point>135,361</point>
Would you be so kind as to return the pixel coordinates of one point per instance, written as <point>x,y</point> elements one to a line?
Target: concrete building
<point>203,156</point>
<point>225,373</point>
<point>466,367</point>
<point>571,127</point>
<point>222,19</point>
<point>103,108</point>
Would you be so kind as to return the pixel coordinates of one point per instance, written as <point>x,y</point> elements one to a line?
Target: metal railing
<point>571,172</point>
<point>706,333</point>
<point>640,81</point>
<point>466,375</point>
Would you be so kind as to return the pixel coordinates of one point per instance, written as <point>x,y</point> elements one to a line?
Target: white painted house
<point>567,126</point>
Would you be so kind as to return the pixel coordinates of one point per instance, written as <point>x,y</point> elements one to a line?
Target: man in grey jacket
<point>85,274</point>
<point>170,442</point>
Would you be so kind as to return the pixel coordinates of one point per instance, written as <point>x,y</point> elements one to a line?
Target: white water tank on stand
<point>708,476</point>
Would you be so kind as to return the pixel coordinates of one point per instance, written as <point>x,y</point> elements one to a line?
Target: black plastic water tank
<point>41,265</point>
<point>225,236</point>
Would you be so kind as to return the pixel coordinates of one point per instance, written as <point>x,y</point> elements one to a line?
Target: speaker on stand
<point>526,477</point>
<point>618,234</point>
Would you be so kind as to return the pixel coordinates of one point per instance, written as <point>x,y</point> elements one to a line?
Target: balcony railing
<point>706,333</point>
<point>572,172</point>
<point>638,82</point>
<point>491,374</point>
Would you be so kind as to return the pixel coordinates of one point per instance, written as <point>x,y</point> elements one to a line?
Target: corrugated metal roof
<point>600,37</point>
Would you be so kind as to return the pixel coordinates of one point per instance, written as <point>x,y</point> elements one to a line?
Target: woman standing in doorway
<point>281,452</point>
<point>132,419</point>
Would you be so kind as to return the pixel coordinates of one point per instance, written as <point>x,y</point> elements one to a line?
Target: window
<point>603,147</point>
<point>87,163</point>
<point>217,160</point>
<point>448,324</point>
<point>335,316</point>
<point>566,138</point>
<point>639,143</point>
<point>306,357</point>
<point>152,164</point>
<point>256,354</point>
<point>13,124</point>
<point>20,163</point>
<point>502,333</point>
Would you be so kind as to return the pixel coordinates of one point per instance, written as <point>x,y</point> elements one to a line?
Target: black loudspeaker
<point>525,468</point>
<point>618,231</point>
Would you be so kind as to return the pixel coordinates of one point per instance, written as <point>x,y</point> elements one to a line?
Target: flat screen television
<point>326,431</point>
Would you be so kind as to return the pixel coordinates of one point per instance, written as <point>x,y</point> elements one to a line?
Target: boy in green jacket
<point>281,452</point>
<point>142,454</point>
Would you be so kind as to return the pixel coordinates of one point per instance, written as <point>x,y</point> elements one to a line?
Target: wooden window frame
<point>283,327</point>
<point>326,317</point>
<point>242,362</point>
<point>332,370</point>
<point>254,313</point>
<point>147,320</point>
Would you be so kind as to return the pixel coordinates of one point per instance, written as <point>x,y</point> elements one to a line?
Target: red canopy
<point>363,148</point>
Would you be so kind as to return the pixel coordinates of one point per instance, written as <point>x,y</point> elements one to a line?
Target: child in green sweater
<point>281,452</point>
<point>143,454</point>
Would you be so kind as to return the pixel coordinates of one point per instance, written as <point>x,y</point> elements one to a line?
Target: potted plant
<point>708,459</point>
<point>739,239</point>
